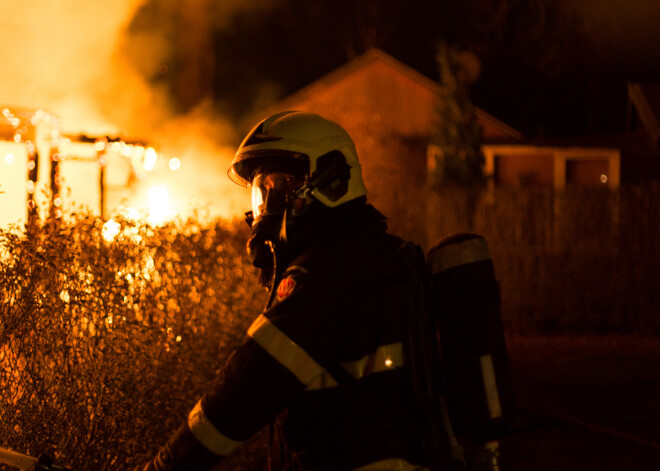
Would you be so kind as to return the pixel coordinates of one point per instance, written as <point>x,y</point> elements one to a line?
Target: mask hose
<point>273,283</point>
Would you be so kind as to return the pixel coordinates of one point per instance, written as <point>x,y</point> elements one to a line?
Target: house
<point>642,154</point>
<point>44,172</point>
<point>629,157</point>
<point>389,110</point>
<point>645,101</point>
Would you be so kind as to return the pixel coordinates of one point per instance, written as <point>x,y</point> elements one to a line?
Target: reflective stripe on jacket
<point>327,358</point>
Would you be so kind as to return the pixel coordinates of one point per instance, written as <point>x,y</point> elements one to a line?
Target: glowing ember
<point>131,213</point>
<point>110,230</point>
<point>64,296</point>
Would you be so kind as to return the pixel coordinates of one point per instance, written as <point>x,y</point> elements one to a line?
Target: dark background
<point>548,67</point>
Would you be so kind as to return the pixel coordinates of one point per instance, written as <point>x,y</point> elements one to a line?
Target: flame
<point>174,163</point>
<point>150,157</point>
<point>110,230</point>
<point>61,56</point>
<point>74,60</point>
<point>160,208</point>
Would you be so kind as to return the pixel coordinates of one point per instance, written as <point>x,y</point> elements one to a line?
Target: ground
<point>584,403</point>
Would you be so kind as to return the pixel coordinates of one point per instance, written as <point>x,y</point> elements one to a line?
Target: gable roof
<point>370,58</point>
<point>646,99</point>
<point>350,68</point>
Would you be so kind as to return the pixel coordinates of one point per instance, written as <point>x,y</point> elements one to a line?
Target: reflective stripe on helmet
<point>286,351</point>
<point>209,436</point>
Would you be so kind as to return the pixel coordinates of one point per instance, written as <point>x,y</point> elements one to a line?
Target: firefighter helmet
<point>307,146</point>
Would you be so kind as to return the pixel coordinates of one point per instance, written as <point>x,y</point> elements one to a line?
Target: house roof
<point>646,99</point>
<point>376,55</point>
<point>349,69</point>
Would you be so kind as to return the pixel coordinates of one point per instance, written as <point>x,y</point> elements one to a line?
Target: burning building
<point>45,173</point>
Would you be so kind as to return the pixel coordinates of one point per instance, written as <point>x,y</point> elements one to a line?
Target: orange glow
<point>150,157</point>
<point>160,208</point>
<point>78,81</point>
<point>110,230</point>
<point>64,296</point>
<point>175,164</point>
<point>100,145</point>
<point>138,153</point>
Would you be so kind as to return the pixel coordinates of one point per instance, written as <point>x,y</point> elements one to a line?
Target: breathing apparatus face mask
<point>272,194</point>
<point>280,201</point>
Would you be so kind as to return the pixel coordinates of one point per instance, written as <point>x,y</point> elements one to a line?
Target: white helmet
<point>306,145</point>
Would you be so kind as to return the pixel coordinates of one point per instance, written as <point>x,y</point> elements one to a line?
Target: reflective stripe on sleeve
<point>209,436</point>
<point>287,352</point>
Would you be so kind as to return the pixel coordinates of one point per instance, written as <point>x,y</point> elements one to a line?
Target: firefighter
<point>324,362</point>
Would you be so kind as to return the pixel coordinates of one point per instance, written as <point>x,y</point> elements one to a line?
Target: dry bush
<point>104,346</point>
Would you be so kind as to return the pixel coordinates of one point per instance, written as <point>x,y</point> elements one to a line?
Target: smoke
<point>77,60</point>
<point>58,55</point>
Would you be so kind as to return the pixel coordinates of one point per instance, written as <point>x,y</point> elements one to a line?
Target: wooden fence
<point>581,260</point>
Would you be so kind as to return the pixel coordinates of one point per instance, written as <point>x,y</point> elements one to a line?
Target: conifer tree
<point>457,160</point>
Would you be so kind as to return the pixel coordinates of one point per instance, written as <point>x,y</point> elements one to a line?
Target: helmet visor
<point>247,165</point>
<point>271,192</point>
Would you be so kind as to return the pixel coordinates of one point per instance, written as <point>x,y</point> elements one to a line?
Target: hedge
<point>105,345</point>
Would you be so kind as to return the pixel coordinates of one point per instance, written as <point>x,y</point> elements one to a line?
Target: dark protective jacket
<point>325,360</point>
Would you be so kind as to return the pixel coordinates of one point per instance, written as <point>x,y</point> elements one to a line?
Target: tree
<point>456,139</point>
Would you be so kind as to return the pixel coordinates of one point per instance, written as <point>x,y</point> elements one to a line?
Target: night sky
<point>549,67</point>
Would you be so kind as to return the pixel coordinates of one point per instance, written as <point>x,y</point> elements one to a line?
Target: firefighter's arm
<point>274,363</point>
<point>182,451</point>
<point>249,392</point>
